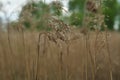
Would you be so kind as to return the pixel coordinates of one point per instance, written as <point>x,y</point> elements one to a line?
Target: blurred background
<point>32,13</point>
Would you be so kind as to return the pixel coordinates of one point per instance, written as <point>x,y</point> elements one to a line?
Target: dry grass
<point>43,56</point>
<point>63,53</point>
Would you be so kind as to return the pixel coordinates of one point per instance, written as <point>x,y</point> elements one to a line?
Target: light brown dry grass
<point>41,56</point>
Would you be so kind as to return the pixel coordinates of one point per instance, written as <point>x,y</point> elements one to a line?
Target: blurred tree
<point>32,15</point>
<point>110,12</point>
<point>118,9</point>
<point>76,5</point>
<point>76,18</point>
<point>56,8</point>
<point>38,14</point>
<point>0,17</point>
<point>77,9</point>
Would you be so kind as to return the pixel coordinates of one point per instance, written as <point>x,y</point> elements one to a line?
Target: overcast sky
<point>12,8</point>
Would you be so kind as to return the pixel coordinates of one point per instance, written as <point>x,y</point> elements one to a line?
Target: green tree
<point>118,9</point>
<point>56,8</point>
<point>35,13</point>
<point>110,12</point>
<point>38,14</point>
<point>77,9</point>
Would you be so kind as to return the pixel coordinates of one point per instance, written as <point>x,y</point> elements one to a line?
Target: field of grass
<point>47,56</point>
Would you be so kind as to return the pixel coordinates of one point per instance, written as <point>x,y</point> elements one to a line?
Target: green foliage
<point>110,12</point>
<point>56,8</point>
<point>36,8</point>
<point>37,14</point>
<point>76,18</point>
<point>33,13</point>
<point>77,9</point>
<point>76,5</point>
<point>118,13</point>
<point>26,24</point>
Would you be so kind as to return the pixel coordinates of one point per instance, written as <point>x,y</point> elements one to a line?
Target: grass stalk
<point>109,55</point>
